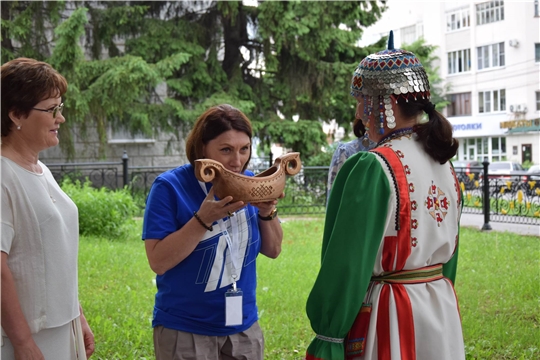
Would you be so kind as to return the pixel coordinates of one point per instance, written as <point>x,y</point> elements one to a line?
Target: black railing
<point>508,197</point>
<point>100,174</point>
<point>512,197</point>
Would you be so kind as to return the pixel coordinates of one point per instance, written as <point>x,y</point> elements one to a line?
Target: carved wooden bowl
<point>265,186</point>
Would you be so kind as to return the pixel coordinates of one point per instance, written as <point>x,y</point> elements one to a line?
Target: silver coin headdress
<point>391,71</point>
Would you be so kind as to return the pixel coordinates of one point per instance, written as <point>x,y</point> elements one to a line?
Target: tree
<point>424,52</point>
<point>291,58</point>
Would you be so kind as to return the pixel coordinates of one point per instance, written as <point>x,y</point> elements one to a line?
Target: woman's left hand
<point>88,336</point>
<point>271,231</point>
<point>265,208</point>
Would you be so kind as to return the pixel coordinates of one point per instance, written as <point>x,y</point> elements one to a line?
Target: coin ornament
<point>389,72</point>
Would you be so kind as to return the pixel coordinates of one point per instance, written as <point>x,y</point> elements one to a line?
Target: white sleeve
<point>6,227</point>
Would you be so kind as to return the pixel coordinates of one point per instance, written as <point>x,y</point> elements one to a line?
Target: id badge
<point>233,307</point>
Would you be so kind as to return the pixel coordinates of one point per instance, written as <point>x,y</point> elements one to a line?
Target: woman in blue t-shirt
<point>204,249</point>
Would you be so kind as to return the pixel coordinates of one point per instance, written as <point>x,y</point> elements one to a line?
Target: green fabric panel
<point>353,231</point>
<point>450,268</point>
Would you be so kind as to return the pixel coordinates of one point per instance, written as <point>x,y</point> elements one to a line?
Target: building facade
<point>489,54</point>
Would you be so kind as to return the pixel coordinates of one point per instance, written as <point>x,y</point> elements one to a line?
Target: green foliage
<point>527,164</point>
<point>424,52</point>
<point>27,24</point>
<point>304,136</point>
<point>294,58</point>
<point>323,158</point>
<point>102,212</point>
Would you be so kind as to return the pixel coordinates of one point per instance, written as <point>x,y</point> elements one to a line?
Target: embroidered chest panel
<point>427,195</point>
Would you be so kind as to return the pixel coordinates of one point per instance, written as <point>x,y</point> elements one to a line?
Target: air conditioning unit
<point>518,108</point>
<point>513,43</point>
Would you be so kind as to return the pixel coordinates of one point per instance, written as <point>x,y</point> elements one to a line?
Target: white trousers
<point>57,343</point>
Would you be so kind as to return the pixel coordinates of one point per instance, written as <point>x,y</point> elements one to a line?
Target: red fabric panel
<point>405,323</point>
<point>383,324</point>
<point>389,253</point>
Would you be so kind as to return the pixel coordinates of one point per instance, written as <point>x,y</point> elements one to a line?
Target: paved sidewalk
<point>477,221</point>
<point>469,220</point>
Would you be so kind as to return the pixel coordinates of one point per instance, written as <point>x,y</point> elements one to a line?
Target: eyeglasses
<point>55,110</point>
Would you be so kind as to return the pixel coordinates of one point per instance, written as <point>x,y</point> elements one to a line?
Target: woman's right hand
<point>29,351</point>
<point>212,209</point>
<point>13,320</point>
<point>164,254</point>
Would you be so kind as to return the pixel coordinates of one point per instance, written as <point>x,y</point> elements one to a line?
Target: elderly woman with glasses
<point>41,315</point>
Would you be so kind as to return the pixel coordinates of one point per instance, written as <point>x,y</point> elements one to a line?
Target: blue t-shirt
<point>191,296</point>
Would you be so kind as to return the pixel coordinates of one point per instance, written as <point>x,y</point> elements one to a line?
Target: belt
<point>416,276</point>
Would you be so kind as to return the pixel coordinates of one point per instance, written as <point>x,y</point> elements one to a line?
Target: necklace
<point>34,168</point>
<point>395,135</point>
<point>48,188</point>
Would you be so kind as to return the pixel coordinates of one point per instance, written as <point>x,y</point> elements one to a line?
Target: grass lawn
<point>498,285</point>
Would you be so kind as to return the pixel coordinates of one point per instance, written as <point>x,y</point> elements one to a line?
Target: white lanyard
<point>234,246</point>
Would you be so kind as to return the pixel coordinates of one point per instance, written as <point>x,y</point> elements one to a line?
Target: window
<point>478,149</point>
<point>538,101</point>
<point>408,34</point>
<point>490,56</point>
<point>537,52</point>
<point>122,135</point>
<point>536,11</point>
<point>489,12</point>
<point>498,149</point>
<point>482,148</point>
<point>458,19</point>
<point>459,61</point>
<point>460,104</point>
<point>492,101</point>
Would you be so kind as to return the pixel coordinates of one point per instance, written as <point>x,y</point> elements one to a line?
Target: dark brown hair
<point>212,123</point>
<point>26,82</point>
<point>436,134</point>
<point>358,128</point>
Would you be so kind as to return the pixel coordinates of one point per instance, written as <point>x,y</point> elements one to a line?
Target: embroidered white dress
<point>393,209</point>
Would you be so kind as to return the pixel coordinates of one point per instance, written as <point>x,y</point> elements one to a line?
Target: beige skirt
<point>60,343</point>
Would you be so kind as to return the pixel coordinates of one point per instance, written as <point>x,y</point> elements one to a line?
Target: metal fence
<point>503,198</point>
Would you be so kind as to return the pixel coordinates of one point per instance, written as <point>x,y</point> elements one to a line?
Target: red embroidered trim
<point>403,240</point>
<point>396,248</point>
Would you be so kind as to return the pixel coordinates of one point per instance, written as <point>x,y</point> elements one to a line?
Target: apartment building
<point>489,54</point>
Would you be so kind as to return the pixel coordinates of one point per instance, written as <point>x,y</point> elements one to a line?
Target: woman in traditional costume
<point>385,289</point>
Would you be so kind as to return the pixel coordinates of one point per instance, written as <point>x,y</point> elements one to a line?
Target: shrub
<point>527,164</point>
<point>102,212</point>
<point>322,158</point>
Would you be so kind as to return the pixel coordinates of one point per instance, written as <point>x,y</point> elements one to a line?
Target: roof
<point>534,128</point>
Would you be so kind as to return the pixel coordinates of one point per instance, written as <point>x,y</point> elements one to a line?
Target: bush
<point>102,212</point>
<point>323,158</point>
<point>527,164</point>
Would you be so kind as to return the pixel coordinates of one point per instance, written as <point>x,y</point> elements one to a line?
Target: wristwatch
<point>272,215</point>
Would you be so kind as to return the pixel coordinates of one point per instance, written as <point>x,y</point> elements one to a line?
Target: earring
<point>381,115</point>
<point>19,127</point>
<point>390,119</point>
